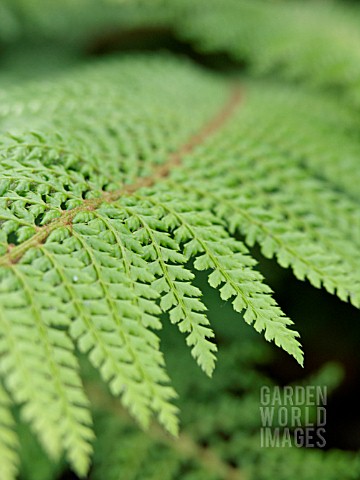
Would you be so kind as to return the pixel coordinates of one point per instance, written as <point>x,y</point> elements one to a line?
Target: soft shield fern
<point>121,177</point>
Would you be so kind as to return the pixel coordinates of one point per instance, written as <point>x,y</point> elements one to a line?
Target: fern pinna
<point>118,180</point>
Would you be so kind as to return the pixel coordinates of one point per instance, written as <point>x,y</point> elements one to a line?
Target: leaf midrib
<point>15,253</point>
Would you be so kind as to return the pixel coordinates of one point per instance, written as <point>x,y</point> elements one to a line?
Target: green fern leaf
<point>33,340</point>
<point>125,182</point>
<point>8,439</point>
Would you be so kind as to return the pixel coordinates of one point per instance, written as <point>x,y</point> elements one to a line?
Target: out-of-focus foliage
<point>316,41</point>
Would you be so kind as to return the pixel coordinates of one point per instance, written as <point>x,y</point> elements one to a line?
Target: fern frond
<point>253,192</point>
<point>231,269</point>
<point>9,444</point>
<point>134,169</point>
<point>71,263</point>
<point>119,315</point>
<point>39,364</point>
<point>179,297</point>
